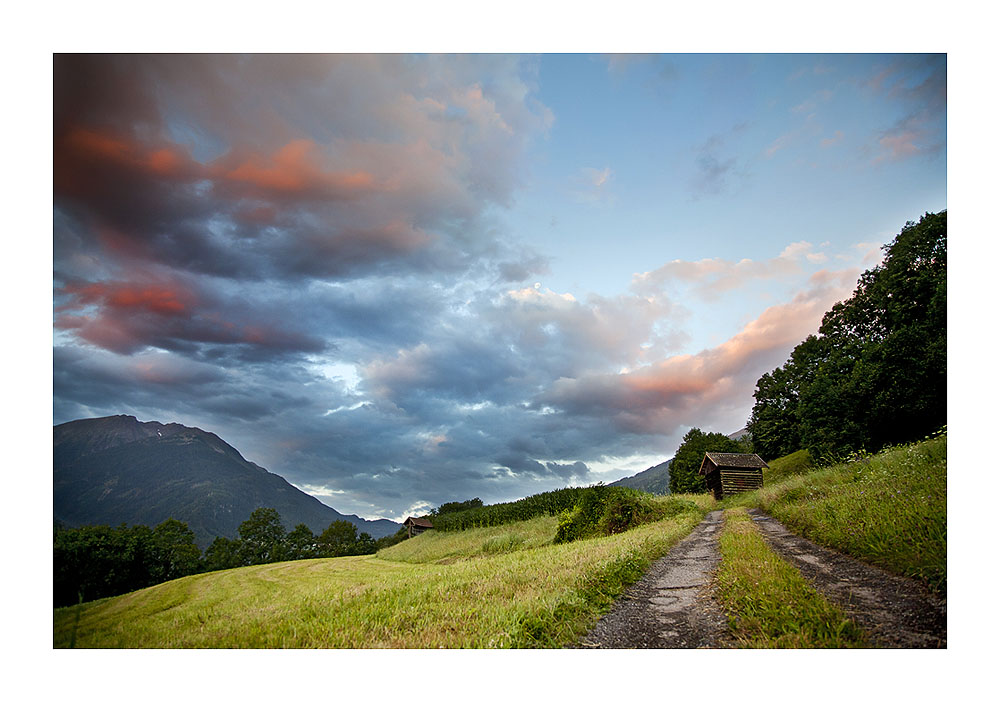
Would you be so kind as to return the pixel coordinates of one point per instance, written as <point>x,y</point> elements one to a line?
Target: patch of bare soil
<point>896,611</point>
<point>672,606</point>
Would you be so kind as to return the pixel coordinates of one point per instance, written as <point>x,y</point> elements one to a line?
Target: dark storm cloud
<point>229,229</point>
<point>303,256</point>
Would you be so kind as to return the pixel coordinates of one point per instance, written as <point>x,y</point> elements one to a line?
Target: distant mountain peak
<point>109,470</point>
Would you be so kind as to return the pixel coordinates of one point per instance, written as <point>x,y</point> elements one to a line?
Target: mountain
<point>655,480</point>
<point>115,470</point>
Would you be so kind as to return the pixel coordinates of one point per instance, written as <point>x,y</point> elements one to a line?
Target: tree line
<point>876,373</point>
<point>91,562</point>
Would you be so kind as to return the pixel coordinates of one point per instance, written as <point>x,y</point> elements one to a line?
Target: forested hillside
<point>115,470</point>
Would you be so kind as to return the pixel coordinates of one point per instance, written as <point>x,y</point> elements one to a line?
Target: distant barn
<point>730,473</point>
<point>416,525</point>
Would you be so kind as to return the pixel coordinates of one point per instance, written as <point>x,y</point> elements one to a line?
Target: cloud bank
<point>306,256</point>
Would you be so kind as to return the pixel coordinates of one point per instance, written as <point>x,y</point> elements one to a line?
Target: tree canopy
<point>876,374</point>
<point>101,561</point>
<point>684,468</point>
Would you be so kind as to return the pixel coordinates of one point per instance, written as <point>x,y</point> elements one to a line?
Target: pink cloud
<point>294,169</point>
<point>86,159</point>
<point>157,298</point>
<point>713,276</point>
<point>698,387</point>
<point>899,146</point>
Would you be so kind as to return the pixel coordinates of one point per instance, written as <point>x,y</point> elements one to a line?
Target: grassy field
<point>509,586</point>
<point>889,509</point>
<point>768,602</point>
<point>499,587</point>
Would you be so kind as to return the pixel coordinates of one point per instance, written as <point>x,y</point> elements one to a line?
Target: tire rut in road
<point>672,605</point>
<point>896,611</point>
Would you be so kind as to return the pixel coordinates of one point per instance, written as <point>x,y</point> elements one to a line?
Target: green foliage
<point>222,553</point>
<point>684,476</point>
<point>262,537</point>
<point>301,543</point>
<point>177,554</point>
<point>341,538</point>
<point>545,503</point>
<point>876,375</point>
<point>571,526</point>
<point>451,507</point>
<point>91,562</point>
<point>605,510</point>
<point>99,561</point>
<point>338,539</point>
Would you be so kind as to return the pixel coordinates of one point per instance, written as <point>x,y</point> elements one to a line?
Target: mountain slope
<point>117,469</point>
<point>655,480</point>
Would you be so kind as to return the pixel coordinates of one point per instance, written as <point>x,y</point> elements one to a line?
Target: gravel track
<point>672,605</point>
<point>898,612</point>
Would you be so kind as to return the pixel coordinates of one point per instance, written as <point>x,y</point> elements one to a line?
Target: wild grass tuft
<point>768,602</point>
<point>796,463</point>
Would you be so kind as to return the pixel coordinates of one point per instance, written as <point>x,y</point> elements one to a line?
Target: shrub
<point>572,525</point>
<point>604,510</point>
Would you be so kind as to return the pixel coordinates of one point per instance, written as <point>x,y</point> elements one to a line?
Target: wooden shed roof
<point>418,521</point>
<point>730,460</point>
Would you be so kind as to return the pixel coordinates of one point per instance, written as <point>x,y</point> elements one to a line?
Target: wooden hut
<point>416,525</point>
<point>730,473</point>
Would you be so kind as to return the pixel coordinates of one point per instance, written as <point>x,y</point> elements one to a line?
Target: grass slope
<point>486,588</point>
<point>889,509</point>
<point>768,602</point>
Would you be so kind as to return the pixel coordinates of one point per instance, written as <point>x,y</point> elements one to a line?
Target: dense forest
<point>876,373</point>
<point>91,562</point>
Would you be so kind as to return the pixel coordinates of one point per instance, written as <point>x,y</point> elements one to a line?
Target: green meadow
<point>512,586</point>
<point>496,587</point>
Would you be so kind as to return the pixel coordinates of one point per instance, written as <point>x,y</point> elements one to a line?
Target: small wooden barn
<point>730,473</point>
<point>416,525</point>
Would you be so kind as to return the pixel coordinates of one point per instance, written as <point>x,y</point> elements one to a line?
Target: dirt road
<point>896,611</point>
<point>673,606</point>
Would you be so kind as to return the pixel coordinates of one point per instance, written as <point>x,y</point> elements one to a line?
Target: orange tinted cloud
<point>294,169</point>
<point>159,299</point>
<point>652,398</point>
<point>88,148</point>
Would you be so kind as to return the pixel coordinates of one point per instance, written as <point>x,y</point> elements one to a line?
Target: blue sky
<point>400,280</point>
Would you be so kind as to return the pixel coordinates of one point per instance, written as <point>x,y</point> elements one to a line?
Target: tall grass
<point>423,593</point>
<point>889,509</point>
<point>435,546</point>
<point>793,464</point>
<point>768,602</point>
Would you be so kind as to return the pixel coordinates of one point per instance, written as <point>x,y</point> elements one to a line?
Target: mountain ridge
<point>112,470</point>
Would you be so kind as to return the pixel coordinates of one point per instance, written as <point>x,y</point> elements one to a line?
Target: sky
<point>399,280</point>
